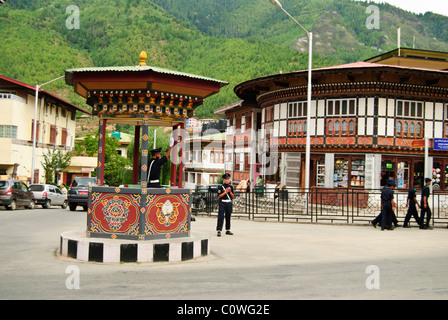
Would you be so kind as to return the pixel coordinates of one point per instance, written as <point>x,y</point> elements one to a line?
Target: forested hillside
<point>231,40</point>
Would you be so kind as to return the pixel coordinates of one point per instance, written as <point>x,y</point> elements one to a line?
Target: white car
<point>48,195</point>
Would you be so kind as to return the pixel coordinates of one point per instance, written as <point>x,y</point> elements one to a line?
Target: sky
<point>420,6</point>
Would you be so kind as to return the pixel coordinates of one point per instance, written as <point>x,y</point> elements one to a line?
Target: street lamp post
<point>308,113</point>
<point>33,159</point>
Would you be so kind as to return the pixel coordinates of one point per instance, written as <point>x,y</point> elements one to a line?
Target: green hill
<point>230,40</point>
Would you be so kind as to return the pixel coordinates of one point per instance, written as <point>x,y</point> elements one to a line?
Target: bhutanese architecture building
<point>368,122</point>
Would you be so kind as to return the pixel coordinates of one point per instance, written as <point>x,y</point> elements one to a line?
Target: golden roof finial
<point>143,57</point>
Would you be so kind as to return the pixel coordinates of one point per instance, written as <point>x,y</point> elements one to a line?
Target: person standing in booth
<point>225,197</point>
<point>155,165</point>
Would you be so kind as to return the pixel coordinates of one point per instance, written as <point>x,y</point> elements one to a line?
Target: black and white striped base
<point>76,245</point>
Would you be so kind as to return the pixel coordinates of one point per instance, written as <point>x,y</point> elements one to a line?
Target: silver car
<point>48,195</point>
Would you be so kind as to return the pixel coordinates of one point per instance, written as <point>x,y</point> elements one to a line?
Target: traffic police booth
<point>142,96</point>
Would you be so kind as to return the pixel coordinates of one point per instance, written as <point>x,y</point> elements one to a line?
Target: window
<point>269,114</point>
<point>399,128</point>
<point>357,173</point>
<point>340,173</point>
<point>247,162</point>
<point>248,122</point>
<point>330,127</point>
<point>409,109</point>
<point>351,127</point>
<point>37,130</point>
<point>410,129</point>
<point>53,135</point>
<point>341,107</point>
<point>8,132</point>
<point>297,109</point>
<point>237,162</point>
<point>297,128</point>
<point>64,137</point>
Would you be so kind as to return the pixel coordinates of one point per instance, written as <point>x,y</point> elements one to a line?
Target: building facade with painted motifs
<point>368,122</point>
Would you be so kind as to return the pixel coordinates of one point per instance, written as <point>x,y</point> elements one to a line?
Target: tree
<point>54,163</point>
<point>115,166</point>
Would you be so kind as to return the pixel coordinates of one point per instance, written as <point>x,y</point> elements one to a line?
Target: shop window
<point>358,173</point>
<point>403,175</point>
<point>436,176</point>
<point>446,176</point>
<point>419,168</point>
<point>341,173</point>
<point>387,172</point>
<point>320,172</point>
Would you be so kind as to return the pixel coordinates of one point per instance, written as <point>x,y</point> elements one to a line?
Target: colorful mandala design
<point>115,213</point>
<point>167,214</point>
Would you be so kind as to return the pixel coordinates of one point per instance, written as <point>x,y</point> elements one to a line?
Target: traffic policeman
<point>225,197</point>
<point>155,166</point>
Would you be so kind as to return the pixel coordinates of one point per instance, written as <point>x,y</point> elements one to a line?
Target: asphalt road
<point>263,260</point>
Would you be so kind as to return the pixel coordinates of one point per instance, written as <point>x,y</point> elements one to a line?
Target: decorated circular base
<point>76,245</point>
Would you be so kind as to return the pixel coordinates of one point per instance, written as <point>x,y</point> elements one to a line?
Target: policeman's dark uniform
<point>225,206</point>
<point>425,211</point>
<point>154,168</point>
<point>387,195</point>
<point>412,210</point>
<point>378,218</point>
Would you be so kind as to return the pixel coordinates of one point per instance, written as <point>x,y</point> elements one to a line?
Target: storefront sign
<point>418,143</point>
<point>441,144</point>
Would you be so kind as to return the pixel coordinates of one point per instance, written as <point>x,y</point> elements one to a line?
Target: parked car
<point>14,193</point>
<point>205,197</point>
<point>78,193</point>
<point>48,195</point>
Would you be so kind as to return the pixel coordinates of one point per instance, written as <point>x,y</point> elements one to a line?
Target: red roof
<point>11,84</point>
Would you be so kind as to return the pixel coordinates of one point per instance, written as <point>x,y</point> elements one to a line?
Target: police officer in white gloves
<point>155,165</point>
<point>225,197</point>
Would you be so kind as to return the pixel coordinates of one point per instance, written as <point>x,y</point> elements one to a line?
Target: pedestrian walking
<point>225,197</point>
<point>378,218</point>
<point>387,196</point>
<point>411,204</point>
<point>425,210</point>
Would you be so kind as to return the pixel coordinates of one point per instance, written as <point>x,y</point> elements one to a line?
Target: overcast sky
<point>420,6</point>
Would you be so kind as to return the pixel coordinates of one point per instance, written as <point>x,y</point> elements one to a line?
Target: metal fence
<point>347,206</point>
